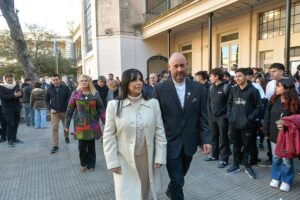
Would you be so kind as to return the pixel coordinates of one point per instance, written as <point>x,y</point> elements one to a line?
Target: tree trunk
<point>12,20</point>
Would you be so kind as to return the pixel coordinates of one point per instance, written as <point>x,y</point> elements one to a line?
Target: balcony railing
<point>161,8</point>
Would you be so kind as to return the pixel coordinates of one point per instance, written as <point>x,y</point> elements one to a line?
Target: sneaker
<point>54,150</point>
<point>266,163</point>
<point>91,169</point>
<point>11,143</point>
<point>261,146</point>
<point>222,164</point>
<point>274,183</point>
<point>285,187</point>
<point>250,172</point>
<point>18,141</point>
<point>233,169</point>
<point>210,158</point>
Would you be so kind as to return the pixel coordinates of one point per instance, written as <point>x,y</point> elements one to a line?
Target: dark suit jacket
<point>185,127</point>
<point>148,91</point>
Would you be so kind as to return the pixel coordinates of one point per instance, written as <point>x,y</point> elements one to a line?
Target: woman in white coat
<point>134,140</point>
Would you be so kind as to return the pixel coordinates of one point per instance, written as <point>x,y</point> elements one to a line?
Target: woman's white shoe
<point>285,187</point>
<point>274,183</point>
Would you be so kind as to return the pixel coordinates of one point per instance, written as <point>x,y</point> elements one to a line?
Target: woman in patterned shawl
<point>86,105</point>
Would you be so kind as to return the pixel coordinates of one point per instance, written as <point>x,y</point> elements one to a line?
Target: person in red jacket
<point>284,102</point>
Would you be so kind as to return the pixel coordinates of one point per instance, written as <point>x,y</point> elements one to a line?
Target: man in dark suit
<point>183,104</point>
<point>148,89</point>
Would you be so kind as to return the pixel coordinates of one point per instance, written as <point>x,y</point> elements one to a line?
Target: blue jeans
<point>40,118</point>
<point>282,168</point>
<point>28,114</point>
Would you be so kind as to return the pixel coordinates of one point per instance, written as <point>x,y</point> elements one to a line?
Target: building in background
<point>120,34</point>
<point>76,38</point>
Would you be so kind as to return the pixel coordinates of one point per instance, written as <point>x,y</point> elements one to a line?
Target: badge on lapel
<point>188,95</point>
<point>194,99</point>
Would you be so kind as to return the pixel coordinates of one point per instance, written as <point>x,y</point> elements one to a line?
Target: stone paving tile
<point>30,172</point>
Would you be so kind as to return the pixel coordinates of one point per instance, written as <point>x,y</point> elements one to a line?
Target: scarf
<point>8,86</point>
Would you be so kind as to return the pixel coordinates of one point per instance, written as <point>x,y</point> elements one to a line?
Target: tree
<point>7,8</point>
<point>40,46</point>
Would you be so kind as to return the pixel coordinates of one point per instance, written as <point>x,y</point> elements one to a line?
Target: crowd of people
<point>163,120</point>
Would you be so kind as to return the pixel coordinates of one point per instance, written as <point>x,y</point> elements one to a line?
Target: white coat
<point>119,144</point>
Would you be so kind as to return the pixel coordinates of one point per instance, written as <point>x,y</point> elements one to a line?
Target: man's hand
<point>116,170</point>
<point>157,165</point>
<point>18,94</point>
<point>206,148</point>
<point>53,111</point>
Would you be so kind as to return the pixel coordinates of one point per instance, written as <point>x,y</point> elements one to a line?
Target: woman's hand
<point>279,124</point>
<point>116,170</point>
<point>157,165</point>
<point>66,130</point>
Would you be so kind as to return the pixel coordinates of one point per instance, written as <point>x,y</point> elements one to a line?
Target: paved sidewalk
<point>28,171</point>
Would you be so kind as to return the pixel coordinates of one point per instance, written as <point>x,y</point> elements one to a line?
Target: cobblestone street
<point>29,171</point>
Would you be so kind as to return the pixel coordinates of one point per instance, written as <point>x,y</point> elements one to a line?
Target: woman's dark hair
<point>290,95</point>
<point>263,82</point>
<point>37,85</point>
<point>128,76</point>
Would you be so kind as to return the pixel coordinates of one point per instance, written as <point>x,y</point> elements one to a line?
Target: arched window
<point>156,64</point>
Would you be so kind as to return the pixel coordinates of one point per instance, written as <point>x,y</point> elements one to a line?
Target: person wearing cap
<point>102,88</point>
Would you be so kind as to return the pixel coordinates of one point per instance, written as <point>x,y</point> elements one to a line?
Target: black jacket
<point>58,100</point>
<point>148,91</point>
<point>243,107</point>
<point>273,113</point>
<point>8,100</point>
<point>185,127</point>
<point>103,91</point>
<point>26,90</point>
<point>217,99</point>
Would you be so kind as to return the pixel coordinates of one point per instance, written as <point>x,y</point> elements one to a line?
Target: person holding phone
<point>10,95</point>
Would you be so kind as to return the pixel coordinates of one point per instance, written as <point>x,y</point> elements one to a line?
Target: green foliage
<point>40,46</point>
<point>16,69</point>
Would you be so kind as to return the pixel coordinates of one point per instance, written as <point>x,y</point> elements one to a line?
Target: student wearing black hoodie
<point>243,107</point>
<point>218,122</point>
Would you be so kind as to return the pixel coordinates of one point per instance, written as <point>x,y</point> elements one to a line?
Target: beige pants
<point>141,162</point>
<point>55,117</point>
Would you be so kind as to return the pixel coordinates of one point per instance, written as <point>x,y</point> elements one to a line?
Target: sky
<point>53,15</point>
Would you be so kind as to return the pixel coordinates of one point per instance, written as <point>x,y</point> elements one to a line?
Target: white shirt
<point>180,89</point>
<point>260,89</point>
<point>270,89</point>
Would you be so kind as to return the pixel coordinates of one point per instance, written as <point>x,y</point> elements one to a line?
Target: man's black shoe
<point>222,164</point>
<point>168,194</point>
<point>18,141</point>
<point>250,172</point>
<point>67,140</point>
<point>11,143</point>
<point>54,150</point>
<point>210,158</point>
<point>2,140</point>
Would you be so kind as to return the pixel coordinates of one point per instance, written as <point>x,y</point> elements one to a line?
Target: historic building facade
<point>119,34</point>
